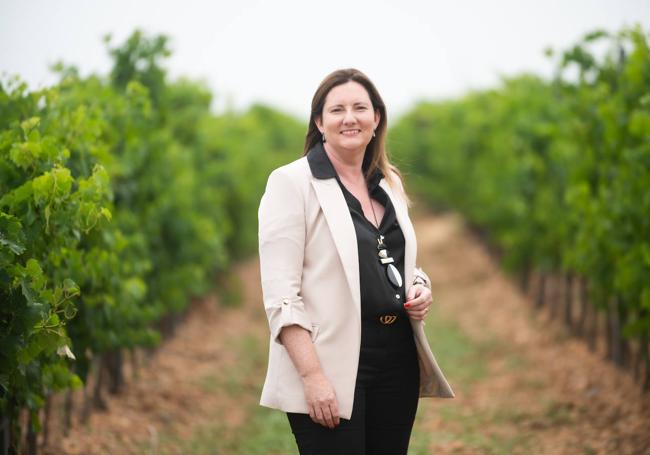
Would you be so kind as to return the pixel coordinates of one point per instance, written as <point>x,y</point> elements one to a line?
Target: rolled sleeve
<point>281,236</point>
<point>289,313</point>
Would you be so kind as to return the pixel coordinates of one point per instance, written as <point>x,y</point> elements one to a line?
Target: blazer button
<point>285,301</point>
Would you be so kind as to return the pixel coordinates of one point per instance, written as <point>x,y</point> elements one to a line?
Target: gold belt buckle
<point>387,319</point>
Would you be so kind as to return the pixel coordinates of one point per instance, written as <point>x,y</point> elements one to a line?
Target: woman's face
<point>348,119</point>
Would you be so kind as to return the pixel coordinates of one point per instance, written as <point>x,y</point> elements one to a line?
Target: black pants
<point>385,402</point>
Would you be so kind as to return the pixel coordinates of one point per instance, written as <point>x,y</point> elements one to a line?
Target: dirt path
<point>522,385</point>
<point>194,379</point>
<point>541,389</point>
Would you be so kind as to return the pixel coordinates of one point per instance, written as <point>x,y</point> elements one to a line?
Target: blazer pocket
<point>314,332</point>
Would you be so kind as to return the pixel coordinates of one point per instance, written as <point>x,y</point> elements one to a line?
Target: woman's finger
<point>418,313</point>
<point>319,415</point>
<point>334,407</point>
<point>418,298</point>
<point>413,292</point>
<point>417,304</point>
<point>312,414</point>
<point>414,302</point>
<point>327,415</point>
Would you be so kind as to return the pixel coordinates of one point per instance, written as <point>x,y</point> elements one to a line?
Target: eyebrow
<point>358,103</point>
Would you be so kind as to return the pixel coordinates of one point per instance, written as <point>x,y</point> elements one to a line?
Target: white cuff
<point>288,312</point>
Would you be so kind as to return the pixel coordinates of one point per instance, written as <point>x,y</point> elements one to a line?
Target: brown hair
<point>375,155</point>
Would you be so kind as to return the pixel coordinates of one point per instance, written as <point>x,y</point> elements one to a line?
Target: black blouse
<point>383,317</point>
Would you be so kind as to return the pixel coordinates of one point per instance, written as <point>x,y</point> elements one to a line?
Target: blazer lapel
<point>337,215</point>
<point>338,218</point>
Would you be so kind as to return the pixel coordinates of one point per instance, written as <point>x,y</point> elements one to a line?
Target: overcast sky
<point>278,51</point>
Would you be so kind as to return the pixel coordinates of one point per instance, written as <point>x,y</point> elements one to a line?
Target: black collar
<point>322,168</point>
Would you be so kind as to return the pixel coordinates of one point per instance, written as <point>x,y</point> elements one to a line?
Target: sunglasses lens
<point>394,276</point>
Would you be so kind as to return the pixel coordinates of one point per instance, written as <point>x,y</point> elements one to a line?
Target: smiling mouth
<point>350,132</point>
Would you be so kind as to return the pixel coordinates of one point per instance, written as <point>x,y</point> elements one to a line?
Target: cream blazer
<point>310,277</point>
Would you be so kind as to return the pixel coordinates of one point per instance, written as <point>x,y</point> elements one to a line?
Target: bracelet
<point>420,280</point>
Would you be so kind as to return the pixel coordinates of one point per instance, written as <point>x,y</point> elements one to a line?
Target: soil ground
<point>522,384</point>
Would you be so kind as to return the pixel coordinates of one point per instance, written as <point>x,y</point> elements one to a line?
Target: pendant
<point>391,271</point>
<point>393,275</point>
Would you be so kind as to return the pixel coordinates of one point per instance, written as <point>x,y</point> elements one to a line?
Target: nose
<point>349,117</point>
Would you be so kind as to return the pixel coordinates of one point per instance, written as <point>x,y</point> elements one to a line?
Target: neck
<point>348,165</point>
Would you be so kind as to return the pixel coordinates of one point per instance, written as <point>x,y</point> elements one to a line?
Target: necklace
<point>373,211</point>
<point>382,251</point>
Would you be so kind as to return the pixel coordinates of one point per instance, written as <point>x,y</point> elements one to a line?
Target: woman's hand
<point>321,399</point>
<point>418,301</point>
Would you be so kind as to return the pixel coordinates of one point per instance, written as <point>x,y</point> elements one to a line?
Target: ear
<point>377,118</point>
<point>319,123</point>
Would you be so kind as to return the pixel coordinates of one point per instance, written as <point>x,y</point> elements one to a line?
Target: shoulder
<point>290,177</point>
<point>395,181</point>
<point>297,169</point>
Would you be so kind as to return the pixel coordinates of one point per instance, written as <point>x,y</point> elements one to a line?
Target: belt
<point>387,319</point>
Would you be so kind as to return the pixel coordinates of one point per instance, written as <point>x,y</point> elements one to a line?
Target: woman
<point>348,356</point>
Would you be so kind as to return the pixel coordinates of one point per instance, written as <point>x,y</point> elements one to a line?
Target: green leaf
<point>43,341</point>
<point>25,154</point>
<point>28,125</point>
<point>33,269</point>
<point>43,188</point>
<point>70,288</point>
<point>11,236</point>
<point>69,309</point>
<point>106,213</point>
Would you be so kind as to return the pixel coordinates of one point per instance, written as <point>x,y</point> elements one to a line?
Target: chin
<point>354,143</point>
<point>353,147</point>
